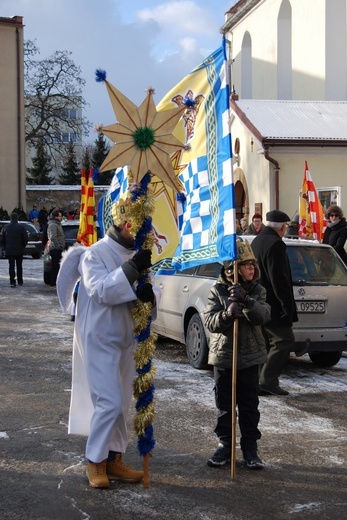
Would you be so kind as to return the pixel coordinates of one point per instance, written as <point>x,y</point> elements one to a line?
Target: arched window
<point>284,51</point>
<point>246,67</point>
<point>335,51</point>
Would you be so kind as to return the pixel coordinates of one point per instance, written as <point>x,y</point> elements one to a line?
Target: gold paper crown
<point>121,209</point>
<point>244,253</point>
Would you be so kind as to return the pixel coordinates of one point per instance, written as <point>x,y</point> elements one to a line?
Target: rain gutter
<point>237,13</point>
<point>19,122</point>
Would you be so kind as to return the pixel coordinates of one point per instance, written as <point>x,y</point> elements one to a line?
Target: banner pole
<point>233,388</point>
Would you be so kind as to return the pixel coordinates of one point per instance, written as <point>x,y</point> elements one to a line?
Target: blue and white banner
<point>200,227</point>
<point>118,187</point>
<point>207,228</point>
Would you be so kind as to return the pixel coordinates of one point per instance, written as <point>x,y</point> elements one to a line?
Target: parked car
<point>34,246</point>
<point>70,228</point>
<point>320,292</point>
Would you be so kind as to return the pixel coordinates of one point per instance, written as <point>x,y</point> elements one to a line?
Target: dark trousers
<point>247,388</point>
<point>15,262</point>
<point>280,342</point>
<point>56,257</point>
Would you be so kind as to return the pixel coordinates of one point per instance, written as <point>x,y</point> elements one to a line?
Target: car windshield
<point>312,265</point>
<point>70,232</point>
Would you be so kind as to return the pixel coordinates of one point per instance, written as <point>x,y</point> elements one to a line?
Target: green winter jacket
<point>251,343</point>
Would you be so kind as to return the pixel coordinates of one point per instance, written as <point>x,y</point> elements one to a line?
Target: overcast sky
<point>139,43</point>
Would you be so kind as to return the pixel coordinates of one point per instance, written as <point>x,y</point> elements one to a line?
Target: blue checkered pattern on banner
<point>118,186</point>
<point>208,231</point>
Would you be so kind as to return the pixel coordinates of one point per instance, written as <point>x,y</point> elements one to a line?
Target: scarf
<point>117,237</point>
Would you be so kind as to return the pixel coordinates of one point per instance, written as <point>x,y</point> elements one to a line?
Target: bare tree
<point>53,99</point>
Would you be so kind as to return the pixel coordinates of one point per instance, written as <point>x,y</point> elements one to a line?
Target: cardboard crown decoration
<point>121,209</point>
<point>244,254</point>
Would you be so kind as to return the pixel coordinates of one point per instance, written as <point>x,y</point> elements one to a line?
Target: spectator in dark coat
<point>336,232</point>
<point>275,276</point>
<point>43,214</point>
<point>293,228</point>
<point>56,241</point>
<point>14,240</point>
<point>255,226</point>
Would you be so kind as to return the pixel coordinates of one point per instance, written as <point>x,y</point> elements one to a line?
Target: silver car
<point>320,292</point>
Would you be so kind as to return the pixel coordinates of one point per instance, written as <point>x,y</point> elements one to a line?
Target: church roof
<point>299,121</point>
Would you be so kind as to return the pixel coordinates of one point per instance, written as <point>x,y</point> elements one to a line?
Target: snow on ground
<point>179,383</point>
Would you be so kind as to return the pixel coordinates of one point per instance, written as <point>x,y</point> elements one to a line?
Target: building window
<point>284,51</point>
<point>246,67</point>
<point>329,196</point>
<point>72,113</point>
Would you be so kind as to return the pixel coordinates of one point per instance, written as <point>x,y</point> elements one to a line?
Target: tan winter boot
<point>96,473</point>
<point>117,470</point>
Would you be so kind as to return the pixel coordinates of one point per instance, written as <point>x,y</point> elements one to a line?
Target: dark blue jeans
<point>15,261</point>
<point>247,401</point>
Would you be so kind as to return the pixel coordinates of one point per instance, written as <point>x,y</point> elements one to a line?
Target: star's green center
<point>144,137</point>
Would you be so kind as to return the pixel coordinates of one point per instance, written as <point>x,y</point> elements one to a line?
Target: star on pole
<point>143,137</point>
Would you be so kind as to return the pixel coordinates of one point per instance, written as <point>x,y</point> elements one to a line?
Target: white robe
<point>103,367</point>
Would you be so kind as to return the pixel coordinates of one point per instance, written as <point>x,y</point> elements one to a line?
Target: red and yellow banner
<point>312,221</point>
<point>87,231</point>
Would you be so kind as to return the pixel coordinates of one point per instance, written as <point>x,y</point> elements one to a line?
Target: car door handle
<point>186,288</point>
<point>161,286</point>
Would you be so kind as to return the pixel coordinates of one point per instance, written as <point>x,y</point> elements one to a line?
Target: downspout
<point>277,169</point>
<point>19,120</point>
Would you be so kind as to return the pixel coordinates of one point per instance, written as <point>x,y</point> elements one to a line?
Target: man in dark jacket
<point>14,240</point>
<point>270,252</point>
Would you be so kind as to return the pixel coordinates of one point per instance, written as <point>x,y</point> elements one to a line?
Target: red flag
<point>312,221</point>
<point>87,229</point>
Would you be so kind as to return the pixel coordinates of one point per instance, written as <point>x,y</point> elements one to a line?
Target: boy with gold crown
<point>244,301</point>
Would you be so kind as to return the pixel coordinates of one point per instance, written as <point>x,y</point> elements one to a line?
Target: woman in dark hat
<point>336,232</point>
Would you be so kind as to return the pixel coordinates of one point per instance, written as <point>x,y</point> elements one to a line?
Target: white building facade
<point>288,51</point>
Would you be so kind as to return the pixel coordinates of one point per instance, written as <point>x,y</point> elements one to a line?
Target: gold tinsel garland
<point>142,209</point>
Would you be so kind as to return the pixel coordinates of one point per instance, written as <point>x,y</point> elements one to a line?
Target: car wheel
<point>196,343</point>
<point>47,278</point>
<point>325,359</point>
<point>36,256</point>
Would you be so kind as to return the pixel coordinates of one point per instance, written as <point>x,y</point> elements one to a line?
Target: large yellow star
<point>143,138</point>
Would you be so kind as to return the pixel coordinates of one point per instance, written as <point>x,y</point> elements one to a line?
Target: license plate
<point>315,307</point>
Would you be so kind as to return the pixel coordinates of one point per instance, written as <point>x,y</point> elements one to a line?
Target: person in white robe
<point>103,365</point>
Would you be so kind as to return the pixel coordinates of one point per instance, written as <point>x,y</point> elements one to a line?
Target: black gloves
<point>234,311</point>
<point>146,294</point>
<point>142,259</point>
<point>238,294</point>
